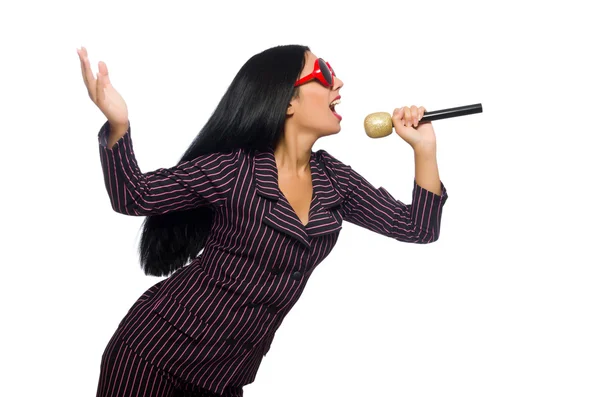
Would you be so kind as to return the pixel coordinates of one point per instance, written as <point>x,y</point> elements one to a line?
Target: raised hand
<point>102,93</point>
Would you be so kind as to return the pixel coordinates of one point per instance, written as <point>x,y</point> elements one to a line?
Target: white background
<point>505,303</point>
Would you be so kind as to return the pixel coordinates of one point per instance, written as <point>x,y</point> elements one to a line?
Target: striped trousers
<point>125,374</point>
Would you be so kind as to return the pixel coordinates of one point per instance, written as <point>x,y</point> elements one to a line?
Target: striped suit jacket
<point>212,321</point>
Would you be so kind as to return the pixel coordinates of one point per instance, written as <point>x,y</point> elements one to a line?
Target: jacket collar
<point>281,215</point>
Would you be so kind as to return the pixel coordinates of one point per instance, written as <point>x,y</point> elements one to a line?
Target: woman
<point>264,209</point>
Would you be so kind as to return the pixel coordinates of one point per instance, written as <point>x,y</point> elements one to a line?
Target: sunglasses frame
<point>317,74</point>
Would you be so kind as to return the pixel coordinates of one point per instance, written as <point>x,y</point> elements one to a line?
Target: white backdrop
<point>505,303</point>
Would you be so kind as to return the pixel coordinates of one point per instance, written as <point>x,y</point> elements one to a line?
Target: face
<point>311,112</point>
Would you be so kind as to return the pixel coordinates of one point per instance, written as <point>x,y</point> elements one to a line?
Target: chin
<point>336,127</point>
<point>328,129</point>
<point>331,132</point>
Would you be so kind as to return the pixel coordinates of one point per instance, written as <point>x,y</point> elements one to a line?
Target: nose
<point>337,83</point>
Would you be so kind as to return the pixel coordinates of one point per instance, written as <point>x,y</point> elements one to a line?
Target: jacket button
<point>229,341</point>
<point>247,345</point>
<point>296,275</point>
<point>253,304</point>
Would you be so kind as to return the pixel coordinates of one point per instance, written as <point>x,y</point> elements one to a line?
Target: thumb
<point>102,82</point>
<point>103,69</point>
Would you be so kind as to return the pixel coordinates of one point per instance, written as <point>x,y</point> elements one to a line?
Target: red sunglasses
<point>322,72</point>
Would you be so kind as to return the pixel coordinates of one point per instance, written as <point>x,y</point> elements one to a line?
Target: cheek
<point>315,106</point>
<point>320,105</point>
<point>317,97</point>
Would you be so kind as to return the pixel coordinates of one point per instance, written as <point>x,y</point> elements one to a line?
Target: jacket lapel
<point>322,220</point>
<point>281,216</point>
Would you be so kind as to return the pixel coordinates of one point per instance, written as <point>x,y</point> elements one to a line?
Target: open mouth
<point>332,107</point>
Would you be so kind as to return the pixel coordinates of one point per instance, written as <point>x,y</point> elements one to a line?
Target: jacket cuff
<point>426,208</point>
<point>105,131</point>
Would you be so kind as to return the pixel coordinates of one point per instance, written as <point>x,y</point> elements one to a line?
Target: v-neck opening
<point>313,195</point>
<point>310,206</point>
<point>310,209</point>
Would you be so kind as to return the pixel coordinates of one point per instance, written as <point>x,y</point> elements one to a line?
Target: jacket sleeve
<point>377,210</point>
<point>205,181</point>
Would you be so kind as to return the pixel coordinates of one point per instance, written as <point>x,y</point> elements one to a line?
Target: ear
<point>290,109</point>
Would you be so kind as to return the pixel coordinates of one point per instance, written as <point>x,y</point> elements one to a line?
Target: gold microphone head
<point>378,125</point>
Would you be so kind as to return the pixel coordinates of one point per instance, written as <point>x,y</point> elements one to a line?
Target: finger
<point>421,112</point>
<point>84,52</point>
<point>83,66</point>
<point>100,87</point>
<point>414,112</point>
<point>401,116</point>
<point>83,57</point>
<point>88,76</point>
<point>397,115</point>
<point>407,116</point>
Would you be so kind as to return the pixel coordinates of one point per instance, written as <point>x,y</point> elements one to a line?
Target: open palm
<point>101,91</point>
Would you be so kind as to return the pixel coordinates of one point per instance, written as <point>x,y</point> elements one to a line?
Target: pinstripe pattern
<point>210,323</point>
<point>123,373</point>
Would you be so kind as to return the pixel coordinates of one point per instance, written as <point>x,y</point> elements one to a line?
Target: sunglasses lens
<point>330,68</point>
<point>325,71</point>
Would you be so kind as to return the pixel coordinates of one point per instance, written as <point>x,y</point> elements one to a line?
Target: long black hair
<point>251,115</point>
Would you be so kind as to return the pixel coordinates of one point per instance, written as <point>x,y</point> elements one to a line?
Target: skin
<point>308,119</point>
<point>103,94</point>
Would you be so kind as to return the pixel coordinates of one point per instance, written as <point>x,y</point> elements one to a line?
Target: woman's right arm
<point>201,182</point>
<point>114,134</point>
<point>205,181</point>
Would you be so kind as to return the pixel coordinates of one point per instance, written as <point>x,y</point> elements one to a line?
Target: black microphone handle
<point>451,112</point>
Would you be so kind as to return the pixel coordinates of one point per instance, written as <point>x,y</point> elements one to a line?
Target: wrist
<point>118,129</point>
<point>425,149</point>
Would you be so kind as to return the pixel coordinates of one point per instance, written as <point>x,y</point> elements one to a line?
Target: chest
<point>299,194</point>
<point>272,229</point>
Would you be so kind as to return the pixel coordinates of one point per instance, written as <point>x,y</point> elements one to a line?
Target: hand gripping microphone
<point>379,125</point>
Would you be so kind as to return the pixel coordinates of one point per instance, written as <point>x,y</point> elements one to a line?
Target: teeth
<point>336,102</point>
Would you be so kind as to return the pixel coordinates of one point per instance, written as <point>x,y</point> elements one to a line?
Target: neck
<point>292,153</point>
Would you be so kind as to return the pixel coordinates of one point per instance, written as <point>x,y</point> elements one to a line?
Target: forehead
<point>310,59</point>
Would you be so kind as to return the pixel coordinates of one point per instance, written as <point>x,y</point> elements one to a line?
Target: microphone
<point>379,125</point>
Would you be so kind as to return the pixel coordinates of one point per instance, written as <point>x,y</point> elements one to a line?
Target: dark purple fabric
<point>212,321</point>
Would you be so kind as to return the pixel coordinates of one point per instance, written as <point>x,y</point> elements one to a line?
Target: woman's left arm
<point>426,170</point>
<point>422,140</point>
<point>377,210</point>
